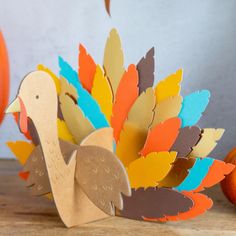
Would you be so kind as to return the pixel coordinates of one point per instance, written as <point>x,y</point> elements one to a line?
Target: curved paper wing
<point>38,177</point>
<point>102,177</point>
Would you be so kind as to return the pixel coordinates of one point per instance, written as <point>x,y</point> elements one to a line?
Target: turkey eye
<point>37,96</point>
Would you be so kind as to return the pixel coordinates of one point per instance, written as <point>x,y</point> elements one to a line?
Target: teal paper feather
<point>196,174</point>
<point>86,102</point>
<point>193,106</point>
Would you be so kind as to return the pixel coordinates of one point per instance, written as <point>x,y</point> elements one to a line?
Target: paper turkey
<point>105,141</point>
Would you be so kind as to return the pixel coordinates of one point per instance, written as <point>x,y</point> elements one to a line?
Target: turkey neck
<point>45,123</point>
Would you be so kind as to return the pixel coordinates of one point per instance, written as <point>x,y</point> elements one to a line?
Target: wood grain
<point>21,214</point>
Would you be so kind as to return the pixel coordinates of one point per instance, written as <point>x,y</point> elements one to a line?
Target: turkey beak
<point>14,106</point>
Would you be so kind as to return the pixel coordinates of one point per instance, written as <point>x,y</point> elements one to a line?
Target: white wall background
<point>199,36</point>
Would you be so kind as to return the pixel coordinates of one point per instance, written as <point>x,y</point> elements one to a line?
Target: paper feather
<point>167,109</point>
<point>87,104</point>
<point>197,173</point>
<point>201,203</point>
<point>113,60</point>
<point>162,137</point>
<point>207,142</point>
<point>78,125</point>
<point>135,129</point>
<point>217,173</point>
<point>21,150</point>
<point>63,132</point>
<point>153,203</point>
<point>178,173</point>
<point>102,93</point>
<point>193,106</point>
<point>145,69</point>
<point>169,87</point>
<point>87,68</point>
<point>149,170</point>
<point>126,95</point>
<point>188,137</point>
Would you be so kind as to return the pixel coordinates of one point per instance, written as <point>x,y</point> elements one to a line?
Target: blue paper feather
<point>196,174</point>
<point>193,106</point>
<point>86,102</point>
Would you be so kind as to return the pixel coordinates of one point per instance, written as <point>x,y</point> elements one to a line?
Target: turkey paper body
<point>85,172</point>
<point>116,135</point>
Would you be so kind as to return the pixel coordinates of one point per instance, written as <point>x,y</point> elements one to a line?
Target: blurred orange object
<point>228,185</point>
<point>107,5</point>
<point>4,77</point>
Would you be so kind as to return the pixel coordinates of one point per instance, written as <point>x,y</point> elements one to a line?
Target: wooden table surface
<point>22,214</point>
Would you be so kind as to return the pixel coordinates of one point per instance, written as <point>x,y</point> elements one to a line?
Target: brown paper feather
<point>154,203</point>
<point>186,140</point>
<point>145,69</point>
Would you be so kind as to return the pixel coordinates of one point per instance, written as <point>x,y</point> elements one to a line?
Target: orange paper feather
<point>87,68</point>
<point>4,77</point>
<point>216,174</point>
<point>201,204</point>
<point>162,136</point>
<point>126,95</point>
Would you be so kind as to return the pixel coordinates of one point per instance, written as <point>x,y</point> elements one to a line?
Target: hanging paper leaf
<point>107,5</point>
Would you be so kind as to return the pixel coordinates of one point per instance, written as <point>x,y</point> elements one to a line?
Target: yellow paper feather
<point>207,142</point>
<point>166,109</point>
<point>63,131</point>
<point>101,92</point>
<point>134,132</point>
<point>148,171</point>
<point>21,150</point>
<point>169,87</point>
<point>113,61</point>
<point>54,77</point>
<point>77,123</point>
